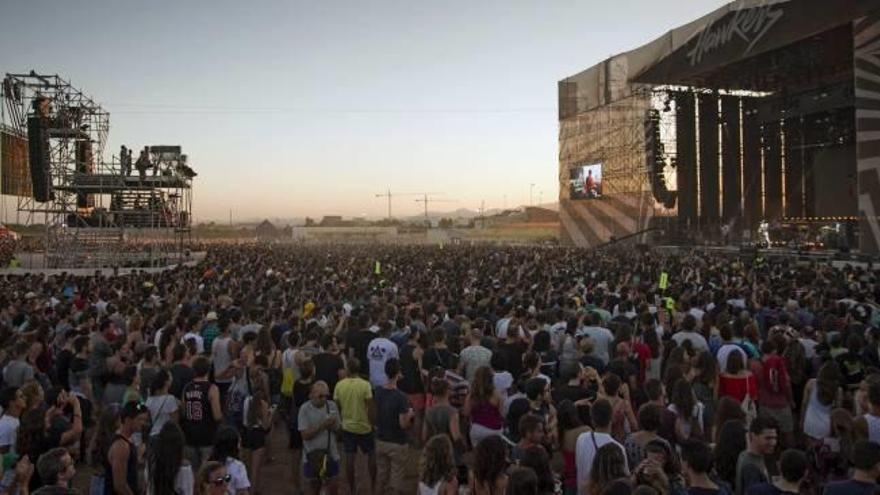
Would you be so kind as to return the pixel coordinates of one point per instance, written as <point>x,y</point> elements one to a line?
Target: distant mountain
<point>460,213</point>
<point>467,213</point>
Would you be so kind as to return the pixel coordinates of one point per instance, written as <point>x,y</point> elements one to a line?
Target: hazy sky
<point>294,108</point>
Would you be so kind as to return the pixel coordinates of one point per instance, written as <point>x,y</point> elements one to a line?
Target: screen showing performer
<point>586,181</point>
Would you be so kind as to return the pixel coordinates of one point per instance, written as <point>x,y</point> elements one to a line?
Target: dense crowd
<point>503,370</point>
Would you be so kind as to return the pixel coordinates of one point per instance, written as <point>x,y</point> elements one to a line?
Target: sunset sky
<point>295,108</point>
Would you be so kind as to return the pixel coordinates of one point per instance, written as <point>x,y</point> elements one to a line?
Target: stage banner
<point>14,170</point>
<point>746,29</point>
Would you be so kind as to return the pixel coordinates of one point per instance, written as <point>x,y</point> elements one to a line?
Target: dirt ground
<point>277,475</point>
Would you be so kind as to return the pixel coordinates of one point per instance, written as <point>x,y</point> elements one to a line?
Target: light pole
<point>531,190</point>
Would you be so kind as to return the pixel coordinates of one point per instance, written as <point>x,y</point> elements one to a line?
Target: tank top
<point>817,419</point>
<point>411,381</point>
<point>487,415</point>
<point>437,420</point>
<point>198,422</point>
<point>873,427</point>
<point>618,421</point>
<point>222,358</point>
<point>131,474</point>
<point>430,490</point>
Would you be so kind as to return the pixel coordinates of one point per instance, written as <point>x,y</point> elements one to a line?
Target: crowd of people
<point>461,369</point>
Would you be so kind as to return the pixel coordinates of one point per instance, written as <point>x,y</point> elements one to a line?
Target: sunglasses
<point>223,480</point>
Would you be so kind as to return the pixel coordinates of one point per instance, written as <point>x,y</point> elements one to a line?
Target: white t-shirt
<point>809,347</point>
<point>585,451</point>
<point>501,328</point>
<point>602,338</point>
<point>184,481</point>
<point>697,313</point>
<point>502,381</point>
<point>378,353</point>
<point>161,408</point>
<point>697,340</point>
<point>556,331</point>
<point>724,353</point>
<point>505,406</point>
<point>200,342</point>
<point>9,431</point>
<point>236,470</point>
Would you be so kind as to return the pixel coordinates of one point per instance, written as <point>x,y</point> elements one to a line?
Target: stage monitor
<point>585,181</point>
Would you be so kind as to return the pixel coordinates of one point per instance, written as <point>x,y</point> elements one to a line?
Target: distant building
<point>332,221</point>
<point>344,234</point>
<point>540,215</point>
<point>266,230</point>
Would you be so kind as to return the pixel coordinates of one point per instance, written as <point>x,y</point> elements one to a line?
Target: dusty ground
<point>277,475</point>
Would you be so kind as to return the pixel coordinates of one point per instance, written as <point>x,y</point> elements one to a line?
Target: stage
<point>761,112</point>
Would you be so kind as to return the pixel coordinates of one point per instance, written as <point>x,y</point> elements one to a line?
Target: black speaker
<point>84,166</point>
<point>38,159</point>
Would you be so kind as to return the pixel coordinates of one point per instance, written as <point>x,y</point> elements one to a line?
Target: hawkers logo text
<point>749,24</point>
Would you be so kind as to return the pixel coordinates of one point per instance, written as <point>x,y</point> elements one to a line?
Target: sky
<point>292,108</point>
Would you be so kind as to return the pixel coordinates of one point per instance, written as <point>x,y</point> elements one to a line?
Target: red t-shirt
<point>643,352</point>
<point>737,387</point>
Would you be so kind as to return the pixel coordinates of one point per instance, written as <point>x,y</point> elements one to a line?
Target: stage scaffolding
<point>97,213</point>
<point>635,142</point>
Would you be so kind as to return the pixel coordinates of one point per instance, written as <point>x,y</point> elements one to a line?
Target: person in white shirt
<point>556,330</point>
<point>601,337</point>
<point>474,355</point>
<point>501,380</point>
<point>226,451</point>
<point>688,332</point>
<point>727,348</point>
<point>588,443</point>
<point>809,343</point>
<point>12,402</point>
<point>501,327</point>
<point>200,342</point>
<point>167,471</point>
<point>697,313</point>
<point>380,350</point>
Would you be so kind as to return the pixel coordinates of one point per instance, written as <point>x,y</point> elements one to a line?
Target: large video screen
<point>586,181</point>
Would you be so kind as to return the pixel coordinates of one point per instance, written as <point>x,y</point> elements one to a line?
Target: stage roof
<point>700,52</point>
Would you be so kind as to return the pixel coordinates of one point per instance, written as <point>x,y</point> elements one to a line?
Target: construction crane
<point>387,194</point>
<point>426,198</point>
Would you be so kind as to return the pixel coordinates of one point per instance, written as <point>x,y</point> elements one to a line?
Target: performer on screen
<point>590,185</point>
<point>764,233</point>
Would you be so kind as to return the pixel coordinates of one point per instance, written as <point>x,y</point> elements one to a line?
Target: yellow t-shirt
<point>351,395</point>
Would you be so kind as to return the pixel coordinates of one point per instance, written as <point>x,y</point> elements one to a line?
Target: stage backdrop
<point>611,133</point>
<point>866,43</point>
